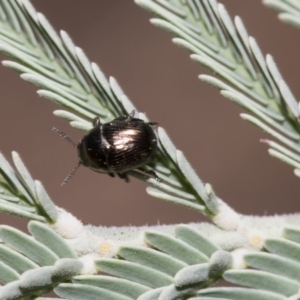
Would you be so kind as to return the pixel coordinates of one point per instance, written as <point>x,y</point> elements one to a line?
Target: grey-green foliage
<point>32,266</point>
<point>223,45</point>
<point>21,196</point>
<point>145,273</point>
<point>65,76</point>
<point>179,270</point>
<point>289,10</point>
<point>183,266</point>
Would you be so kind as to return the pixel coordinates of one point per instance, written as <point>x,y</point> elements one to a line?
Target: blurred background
<point>162,81</point>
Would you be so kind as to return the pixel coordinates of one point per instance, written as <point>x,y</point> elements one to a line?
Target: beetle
<point>121,145</point>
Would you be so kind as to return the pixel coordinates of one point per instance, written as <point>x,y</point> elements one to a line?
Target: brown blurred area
<point>162,81</point>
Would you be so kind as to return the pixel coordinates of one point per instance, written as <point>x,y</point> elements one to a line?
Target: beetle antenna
<point>71,174</point>
<point>64,136</point>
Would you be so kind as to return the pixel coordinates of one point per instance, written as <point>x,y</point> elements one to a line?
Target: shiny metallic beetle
<point>124,144</point>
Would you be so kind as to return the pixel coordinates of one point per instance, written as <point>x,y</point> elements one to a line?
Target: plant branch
<point>289,10</point>
<point>223,45</point>
<point>66,76</point>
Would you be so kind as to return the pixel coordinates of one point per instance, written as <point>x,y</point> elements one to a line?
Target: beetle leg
<point>152,173</point>
<point>153,124</point>
<point>131,115</point>
<point>123,176</point>
<point>155,176</point>
<point>96,122</point>
<point>111,174</point>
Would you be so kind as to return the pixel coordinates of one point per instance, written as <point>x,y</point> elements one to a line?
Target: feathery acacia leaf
<point>64,75</point>
<point>172,266</point>
<point>145,273</point>
<point>21,196</point>
<point>29,267</point>
<point>205,29</point>
<point>289,10</point>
